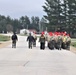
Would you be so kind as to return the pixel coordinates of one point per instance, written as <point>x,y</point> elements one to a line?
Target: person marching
<point>68,42</point>
<point>42,41</point>
<point>51,41</point>
<point>58,41</point>
<point>30,40</point>
<point>14,39</point>
<point>35,38</point>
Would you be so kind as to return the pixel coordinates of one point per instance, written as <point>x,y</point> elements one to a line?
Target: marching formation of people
<point>56,40</point>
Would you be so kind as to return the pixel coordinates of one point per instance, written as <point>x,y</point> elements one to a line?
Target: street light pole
<point>39,27</point>
<point>27,27</point>
<point>46,28</point>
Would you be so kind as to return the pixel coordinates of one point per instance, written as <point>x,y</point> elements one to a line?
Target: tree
<point>32,25</point>
<point>15,25</point>
<point>53,10</point>
<point>43,24</point>
<point>9,28</point>
<point>61,14</point>
<point>37,22</point>
<point>72,16</point>
<point>25,22</point>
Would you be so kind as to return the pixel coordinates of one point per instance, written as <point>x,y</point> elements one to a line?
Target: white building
<point>24,31</point>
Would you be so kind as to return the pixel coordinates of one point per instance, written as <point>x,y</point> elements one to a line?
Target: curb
<point>73,49</point>
<point>4,44</point>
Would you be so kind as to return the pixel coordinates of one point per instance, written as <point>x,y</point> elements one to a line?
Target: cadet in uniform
<point>35,38</point>
<point>14,39</point>
<point>42,41</point>
<point>58,41</point>
<point>51,41</point>
<point>30,40</point>
<point>68,41</point>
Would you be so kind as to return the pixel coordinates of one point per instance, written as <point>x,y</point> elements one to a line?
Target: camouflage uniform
<point>58,42</point>
<point>35,38</point>
<point>51,42</point>
<point>64,38</point>
<point>42,42</point>
<point>68,41</point>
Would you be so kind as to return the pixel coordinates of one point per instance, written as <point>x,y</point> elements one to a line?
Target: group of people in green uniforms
<point>56,40</point>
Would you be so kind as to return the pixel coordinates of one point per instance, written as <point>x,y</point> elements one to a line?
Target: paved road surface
<point>24,61</point>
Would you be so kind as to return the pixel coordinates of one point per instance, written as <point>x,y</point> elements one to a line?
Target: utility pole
<point>46,28</point>
<point>27,26</point>
<point>39,27</point>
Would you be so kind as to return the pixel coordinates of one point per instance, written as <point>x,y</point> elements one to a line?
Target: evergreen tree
<point>53,10</point>
<point>43,25</point>
<point>72,16</point>
<point>25,22</point>
<point>61,14</point>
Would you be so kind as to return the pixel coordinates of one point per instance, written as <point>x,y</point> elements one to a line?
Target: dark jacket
<point>42,39</point>
<point>14,37</point>
<point>30,38</point>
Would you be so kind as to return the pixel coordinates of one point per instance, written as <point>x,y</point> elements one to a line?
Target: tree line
<point>7,24</point>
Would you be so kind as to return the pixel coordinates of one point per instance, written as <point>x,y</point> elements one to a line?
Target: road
<point>24,61</point>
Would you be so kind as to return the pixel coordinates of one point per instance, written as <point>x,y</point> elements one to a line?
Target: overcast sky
<point>18,8</point>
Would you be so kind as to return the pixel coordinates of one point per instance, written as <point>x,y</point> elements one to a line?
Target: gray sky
<point>18,8</point>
